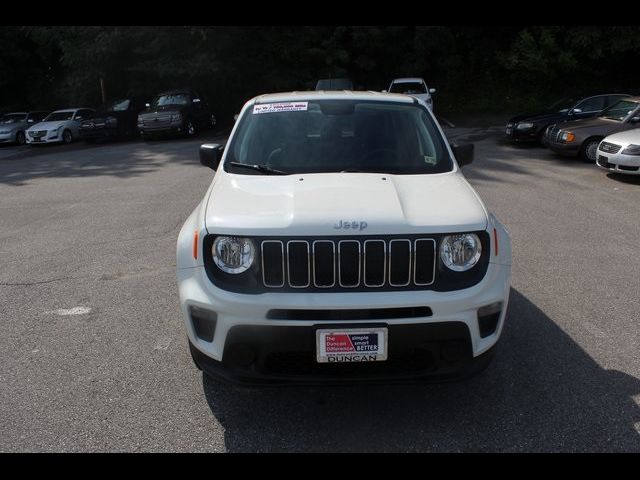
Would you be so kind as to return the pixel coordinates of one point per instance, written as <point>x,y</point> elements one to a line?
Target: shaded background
<point>475,69</point>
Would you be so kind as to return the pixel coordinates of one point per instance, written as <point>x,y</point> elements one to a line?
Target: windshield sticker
<point>280,107</point>
<point>430,160</point>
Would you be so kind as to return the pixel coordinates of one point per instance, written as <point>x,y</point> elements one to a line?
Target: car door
<point>588,107</point>
<point>199,110</point>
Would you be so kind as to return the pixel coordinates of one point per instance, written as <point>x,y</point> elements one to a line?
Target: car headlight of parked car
<point>567,137</point>
<point>524,126</point>
<point>233,254</point>
<point>5,132</point>
<point>631,150</point>
<point>460,252</point>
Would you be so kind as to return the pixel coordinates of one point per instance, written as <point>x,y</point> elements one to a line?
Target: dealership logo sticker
<point>280,107</point>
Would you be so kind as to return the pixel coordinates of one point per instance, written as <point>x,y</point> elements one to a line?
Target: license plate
<point>509,131</point>
<point>351,345</point>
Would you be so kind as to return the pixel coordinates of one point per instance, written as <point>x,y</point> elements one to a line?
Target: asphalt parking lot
<point>93,354</point>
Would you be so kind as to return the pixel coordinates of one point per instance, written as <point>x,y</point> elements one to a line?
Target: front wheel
<point>67,137</point>
<point>589,149</point>
<point>20,138</point>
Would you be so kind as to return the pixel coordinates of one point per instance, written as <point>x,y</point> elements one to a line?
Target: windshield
<point>409,88</point>
<point>13,118</point>
<point>172,99</point>
<point>562,105</point>
<point>58,116</point>
<point>117,106</point>
<point>338,135</point>
<point>620,110</point>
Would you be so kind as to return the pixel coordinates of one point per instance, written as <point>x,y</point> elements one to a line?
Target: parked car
<point>582,137</point>
<point>620,152</point>
<point>530,127</point>
<point>60,126</point>
<point>176,112</point>
<point>334,84</point>
<point>13,125</point>
<point>416,87</point>
<point>115,120</point>
<point>339,241</point>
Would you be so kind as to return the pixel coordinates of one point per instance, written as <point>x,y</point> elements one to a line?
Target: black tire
<point>588,151</point>
<point>194,355</point>
<point>189,129</point>
<point>67,136</point>
<point>20,138</point>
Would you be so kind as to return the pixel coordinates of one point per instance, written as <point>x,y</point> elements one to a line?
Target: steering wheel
<point>373,152</point>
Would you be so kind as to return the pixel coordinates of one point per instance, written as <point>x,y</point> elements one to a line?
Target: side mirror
<point>635,119</point>
<point>463,153</point>
<point>210,155</point>
<point>576,110</point>
<point>432,91</point>
<point>235,117</point>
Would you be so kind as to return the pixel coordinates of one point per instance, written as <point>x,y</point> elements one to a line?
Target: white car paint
<point>425,97</point>
<point>254,205</point>
<point>620,162</point>
<point>52,131</point>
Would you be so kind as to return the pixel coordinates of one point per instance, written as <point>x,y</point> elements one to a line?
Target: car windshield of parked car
<point>620,110</point>
<point>563,105</point>
<point>408,88</point>
<point>117,106</point>
<point>12,118</point>
<point>338,136</point>
<point>173,99</point>
<point>59,116</point>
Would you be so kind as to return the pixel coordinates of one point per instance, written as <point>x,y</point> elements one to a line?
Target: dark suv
<point>176,112</point>
<point>115,120</point>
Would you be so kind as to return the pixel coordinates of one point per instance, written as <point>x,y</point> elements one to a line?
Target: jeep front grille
<point>348,264</point>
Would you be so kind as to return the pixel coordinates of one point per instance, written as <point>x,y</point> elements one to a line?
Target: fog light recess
<point>488,317</point>
<point>204,322</point>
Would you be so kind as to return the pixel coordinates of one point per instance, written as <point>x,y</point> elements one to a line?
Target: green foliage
<point>489,69</point>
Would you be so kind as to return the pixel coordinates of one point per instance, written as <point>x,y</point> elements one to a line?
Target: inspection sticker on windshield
<point>351,345</point>
<point>280,107</point>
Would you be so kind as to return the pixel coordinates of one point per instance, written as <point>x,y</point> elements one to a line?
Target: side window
<point>593,104</point>
<point>611,99</point>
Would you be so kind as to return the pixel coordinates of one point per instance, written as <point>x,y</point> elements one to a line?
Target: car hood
<point>630,136</point>
<point>377,203</point>
<point>48,125</point>
<point>546,116</point>
<point>164,109</point>
<point>596,122</point>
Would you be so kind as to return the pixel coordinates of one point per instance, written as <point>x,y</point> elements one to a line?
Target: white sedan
<point>620,152</point>
<point>60,126</point>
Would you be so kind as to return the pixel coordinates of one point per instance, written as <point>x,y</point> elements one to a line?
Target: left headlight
<point>460,252</point>
<point>524,126</point>
<point>631,150</point>
<point>233,254</point>
<point>567,137</point>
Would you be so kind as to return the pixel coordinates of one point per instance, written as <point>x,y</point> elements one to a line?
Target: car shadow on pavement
<point>622,178</point>
<point>542,392</point>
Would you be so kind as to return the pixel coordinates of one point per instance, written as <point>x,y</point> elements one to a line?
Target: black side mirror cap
<point>463,153</point>
<point>211,154</point>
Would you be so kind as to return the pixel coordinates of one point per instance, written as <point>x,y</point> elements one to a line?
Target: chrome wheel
<point>190,128</point>
<point>66,136</point>
<point>590,150</point>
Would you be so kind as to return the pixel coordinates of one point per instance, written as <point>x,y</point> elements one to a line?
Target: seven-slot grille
<point>609,147</point>
<point>349,263</point>
<point>552,132</point>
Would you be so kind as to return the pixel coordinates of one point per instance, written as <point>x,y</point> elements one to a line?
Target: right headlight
<point>631,150</point>
<point>460,252</point>
<point>233,254</point>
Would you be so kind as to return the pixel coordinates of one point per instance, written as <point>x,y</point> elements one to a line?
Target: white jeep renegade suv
<point>339,242</point>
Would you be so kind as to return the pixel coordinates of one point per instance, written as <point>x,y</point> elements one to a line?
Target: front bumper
<point>568,149</point>
<point>618,163</point>
<point>170,129</point>
<point>49,138</point>
<point>417,345</point>
<point>516,135</point>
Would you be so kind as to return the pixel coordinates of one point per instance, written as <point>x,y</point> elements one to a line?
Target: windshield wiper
<point>359,170</point>
<point>259,168</point>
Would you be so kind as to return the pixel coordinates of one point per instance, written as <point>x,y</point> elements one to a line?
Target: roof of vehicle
<point>633,99</point>
<point>174,91</point>
<point>15,113</point>
<point>70,109</point>
<point>333,95</point>
<point>407,80</point>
